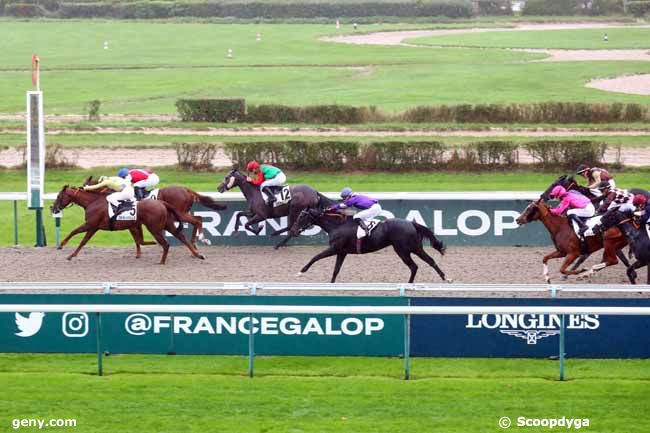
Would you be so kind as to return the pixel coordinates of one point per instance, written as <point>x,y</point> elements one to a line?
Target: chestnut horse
<point>181,199</point>
<point>567,243</point>
<point>156,215</point>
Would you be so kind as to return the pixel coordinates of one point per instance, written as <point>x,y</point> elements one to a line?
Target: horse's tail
<point>424,231</point>
<point>208,202</point>
<point>324,201</point>
<point>176,215</point>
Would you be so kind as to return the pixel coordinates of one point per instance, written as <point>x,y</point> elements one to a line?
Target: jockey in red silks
<point>267,176</point>
<point>579,206</point>
<point>142,178</point>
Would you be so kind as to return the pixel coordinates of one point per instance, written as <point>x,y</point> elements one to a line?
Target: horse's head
<point>89,181</point>
<point>562,180</point>
<point>233,178</point>
<point>307,218</point>
<point>63,199</point>
<point>533,212</point>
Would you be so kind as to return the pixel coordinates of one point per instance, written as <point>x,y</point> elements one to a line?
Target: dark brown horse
<point>156,215</point>
<point>182,199</point>
<point>567,243</point>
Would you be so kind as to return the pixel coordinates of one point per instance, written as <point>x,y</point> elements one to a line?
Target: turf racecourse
<point>150,65</point>
<point>320,394</point>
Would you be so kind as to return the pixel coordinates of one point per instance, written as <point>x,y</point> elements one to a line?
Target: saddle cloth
<point>282,195</point>
<point>128,213</point>
<point>591,223</point>
<point>361,233</point>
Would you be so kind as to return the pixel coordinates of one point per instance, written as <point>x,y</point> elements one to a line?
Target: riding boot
<point>581,224</point>
<point>269,194</point>
<point>364,226</point>
<point>582,228</point>
<point>139,193</point>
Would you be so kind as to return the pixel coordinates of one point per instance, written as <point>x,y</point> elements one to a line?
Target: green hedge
<point>638,8</point>
<point>415,155</point>
<point>211,110</point>
<point>549,7</point>
<point>245,10</point>
<point>547,112</point>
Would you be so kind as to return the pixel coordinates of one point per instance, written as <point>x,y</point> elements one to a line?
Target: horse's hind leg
<point>554,255</point>
<point>405,255</point>
<point>197,224</point>
<point>431,262</point>
<point>631,272</point>
<point>171,228</point>
<point>157,233</point>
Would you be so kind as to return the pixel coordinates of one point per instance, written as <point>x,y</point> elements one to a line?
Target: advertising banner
<point>455,222</point>
<point>223,334</point>
<point>530,335</point>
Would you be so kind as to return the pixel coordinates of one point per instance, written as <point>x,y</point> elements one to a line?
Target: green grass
<point>298,394</point>
<point>14,180</point>
<point>151,65</point>
<point>583,39</point>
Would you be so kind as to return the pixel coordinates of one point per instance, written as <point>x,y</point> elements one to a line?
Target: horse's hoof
<point>449,280</point>
<point>59,247</point>
<point>300,274</point>
<point>70,257</point>
<point>565,277</point>
<point>201,256</point>
<point>206,241</point>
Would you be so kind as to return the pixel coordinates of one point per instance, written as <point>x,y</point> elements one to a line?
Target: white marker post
<point>36,151</point>
<point>229,54</point>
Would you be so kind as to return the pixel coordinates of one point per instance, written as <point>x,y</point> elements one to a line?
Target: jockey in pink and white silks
<point>579,206</point>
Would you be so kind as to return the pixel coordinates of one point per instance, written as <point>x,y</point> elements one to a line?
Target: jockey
<point>141,178</point>
<point>640,202</point>
<point>368,207</point>
<point>267,176</point>
<point>620,199</point>
<point>580,206</point>
<point>595,176</point>
<point>121,184</point>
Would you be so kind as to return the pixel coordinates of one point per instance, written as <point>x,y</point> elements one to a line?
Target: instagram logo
<point>75,324</point>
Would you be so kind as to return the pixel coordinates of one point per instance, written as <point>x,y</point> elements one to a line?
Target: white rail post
<point>562,332</point>
<point>251,347</point>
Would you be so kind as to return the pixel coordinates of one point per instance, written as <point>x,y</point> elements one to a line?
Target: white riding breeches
<point>368,214</point>
<point>585,212</point>
<point>625,207</point>
<point>278,180</point>
<point>152,180</point>
<point>126,194</point>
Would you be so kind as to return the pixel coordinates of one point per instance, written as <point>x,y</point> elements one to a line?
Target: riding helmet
<point>604,185</point>
<point>582,168</point>
<point>124,172</point>
<point>347,191</point>
<point>558,191</point>
<point>252,165</point>
<point>639,199</point>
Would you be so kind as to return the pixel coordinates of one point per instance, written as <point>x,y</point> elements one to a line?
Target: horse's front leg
<point>238,216</point>
<point>249,225</point>
<point>337,266</point>
<point>89,234</point>
<point>323,254</point>
<point>82,228</point>
<point>554,255</point>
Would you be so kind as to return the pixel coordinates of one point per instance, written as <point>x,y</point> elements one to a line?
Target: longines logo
<point>531,327</point>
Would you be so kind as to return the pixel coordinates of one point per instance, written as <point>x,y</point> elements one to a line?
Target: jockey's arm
<point>104,182</point>
<point>562,207</point>
<point>259,180</point>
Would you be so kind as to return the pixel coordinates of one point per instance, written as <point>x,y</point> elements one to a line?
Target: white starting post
<point>36,152</point>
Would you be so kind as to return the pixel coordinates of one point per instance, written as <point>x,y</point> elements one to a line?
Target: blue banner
<point>530,335</point>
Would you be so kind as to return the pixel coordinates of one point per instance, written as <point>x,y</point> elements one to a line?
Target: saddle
<point>591,223</point>
<point>361,233</point>
<point>282,195</point>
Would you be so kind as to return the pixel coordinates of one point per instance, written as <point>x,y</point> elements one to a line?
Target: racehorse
<point>302,197</point>
<point>570,184</point>
<point>156,215</point>
<point>638,239</point>
<point>567,243</point>
<point>404,236</point>
<point>182,199</point>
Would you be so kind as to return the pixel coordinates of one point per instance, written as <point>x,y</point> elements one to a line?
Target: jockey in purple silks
<point>579,206</point>
<point>368,207</point>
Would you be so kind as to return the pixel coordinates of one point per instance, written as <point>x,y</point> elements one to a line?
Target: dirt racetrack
<point>469,265</point>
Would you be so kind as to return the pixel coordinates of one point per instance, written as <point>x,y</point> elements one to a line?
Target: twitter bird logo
<point>30,325</point>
